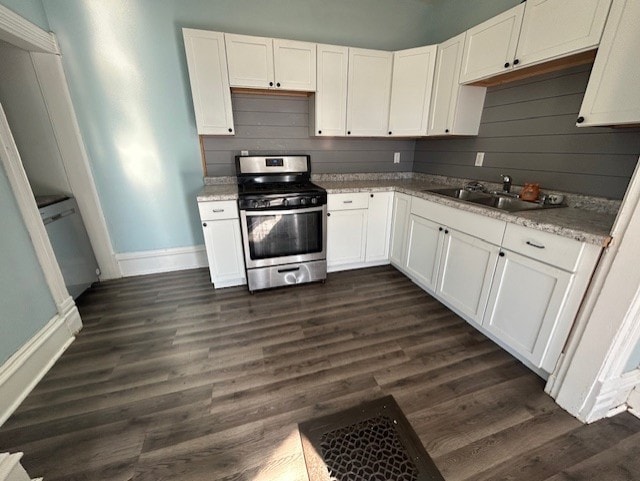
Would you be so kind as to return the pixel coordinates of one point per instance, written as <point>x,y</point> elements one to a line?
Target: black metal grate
<point>367,451</point>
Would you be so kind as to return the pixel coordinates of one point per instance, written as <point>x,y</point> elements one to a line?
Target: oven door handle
<point>267,211</point>
<point>289,269</point>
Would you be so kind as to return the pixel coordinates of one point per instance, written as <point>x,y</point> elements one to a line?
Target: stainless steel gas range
<point>283,218</point>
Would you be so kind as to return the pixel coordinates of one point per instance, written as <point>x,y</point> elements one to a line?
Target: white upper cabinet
<point>612,93</point>
<point>259,62</point>
<point>555,28</point>
<point>411,87</point>
<point>328,110</point>
<point>250,61</point>
<point>369,88</point>
<point>207,64</point>
<point>533,32</point>
<point>295,65</point>
<point>490,47</point>
<point>455,108</point>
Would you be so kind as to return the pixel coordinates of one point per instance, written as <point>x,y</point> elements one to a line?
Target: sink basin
<point>496,201</point>
<point>461,194</point>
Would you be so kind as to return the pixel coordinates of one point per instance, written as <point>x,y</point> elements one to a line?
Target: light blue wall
<point>451,17</point>
<point>26,304</point>
<point>126,67</point>
<point>32,10</point>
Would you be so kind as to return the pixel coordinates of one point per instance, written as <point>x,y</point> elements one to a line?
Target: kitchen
<point>162,228</point>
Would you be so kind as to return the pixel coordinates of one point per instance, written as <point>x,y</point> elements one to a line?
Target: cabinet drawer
<point>483,227</point>
<point>219,209</point>
<point>543,246</point>
<point>357,200</point>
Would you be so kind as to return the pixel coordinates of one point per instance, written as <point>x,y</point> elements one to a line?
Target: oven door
<point>276,237</point>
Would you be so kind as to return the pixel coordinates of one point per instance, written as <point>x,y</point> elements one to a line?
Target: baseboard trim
<point>357,265</point>
<point>163,260</point>
<point>24,369</point>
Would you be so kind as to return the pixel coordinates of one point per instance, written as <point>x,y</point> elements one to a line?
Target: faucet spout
<point>506,183</point>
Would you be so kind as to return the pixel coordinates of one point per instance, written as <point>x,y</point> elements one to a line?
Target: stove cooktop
<point>271,188</point>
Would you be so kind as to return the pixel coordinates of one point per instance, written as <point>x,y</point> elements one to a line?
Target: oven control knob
<point>285,201</point>
<point>303,200</point>
<point>314,200</point>
<point>266,203</point>
<point>254,204</point>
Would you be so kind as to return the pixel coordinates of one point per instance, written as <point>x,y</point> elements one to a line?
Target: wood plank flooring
<point>170,379</point>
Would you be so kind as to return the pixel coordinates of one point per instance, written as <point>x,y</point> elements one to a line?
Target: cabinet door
<point>346,237</point>
<point>424,247</point>
<point>369,89</point>
<point>400,229</point>
<point>330,101</point>
<point>295,65</point>
<point>555,28</point>
<point>379,227</point>
<point>490,47</point>
<point>411,87</point>
<point>250,61</point>
<point>224,252</point>
<point>207,64</point>
<point>608,99</point>
<point>466,268</point>
<point>525,304</point>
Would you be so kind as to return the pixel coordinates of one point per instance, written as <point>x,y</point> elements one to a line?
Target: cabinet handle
<point>372,196</point>
<point>278,84</point>
<point>347,202</point>
<point>230,130</point>
<point>270,84</point>
<point>440,229</point>
<point>537,246</point>
<point>390,132</point>
<point>328,214</point>
<point>349,132</point>
<point>217,211</point>
<point>580,119</point>
<point>446,131</point>
<point>319,131</point>
<point>516,62</point>
<point>446,231</point>
<point>506,65</point>
<point>204,224</point>
<point>501,254</point>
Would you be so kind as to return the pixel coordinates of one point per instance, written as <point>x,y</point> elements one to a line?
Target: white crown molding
<point>25,368</point>
<point>20,32</point>
<point>163,260</point>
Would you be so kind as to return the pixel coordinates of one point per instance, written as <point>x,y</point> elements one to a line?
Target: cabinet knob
<point>507,65</point>
<point>270,84</point>
<point>440,229</point>
<point>580,119</point>
<point>372,196</point>
<point>446,131</point>
<point>319,131</point>
<point>446,231</point>
<point>278,84</point>
<point>501,254</point>
<point>328,214</point>
<point>390,132</point>
<point>348,132</point>
<point>230,129</point>
<point>204,224</point>
<point>516,62</point>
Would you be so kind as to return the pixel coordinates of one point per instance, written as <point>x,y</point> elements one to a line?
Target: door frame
<point>45,56</point>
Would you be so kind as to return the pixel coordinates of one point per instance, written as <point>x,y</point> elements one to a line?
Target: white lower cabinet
<point>223,242</point>
<point>525,305</point>
<point>358,229</point>
<point>346,237</point>
<point>424,245</point>
<point>466,268</point>
<point>399,229</point>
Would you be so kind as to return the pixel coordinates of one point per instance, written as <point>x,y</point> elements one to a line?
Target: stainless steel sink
<point>496,201</point>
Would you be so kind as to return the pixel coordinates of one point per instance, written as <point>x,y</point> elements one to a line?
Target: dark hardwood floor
<point>170,379</point>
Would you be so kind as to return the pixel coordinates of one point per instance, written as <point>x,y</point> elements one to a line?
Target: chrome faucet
<point>506,183</point>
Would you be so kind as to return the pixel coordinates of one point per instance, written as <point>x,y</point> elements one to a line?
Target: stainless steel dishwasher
<point>70,242</point>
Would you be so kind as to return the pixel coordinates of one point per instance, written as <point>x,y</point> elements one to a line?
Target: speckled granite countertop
<point>585,225</point>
